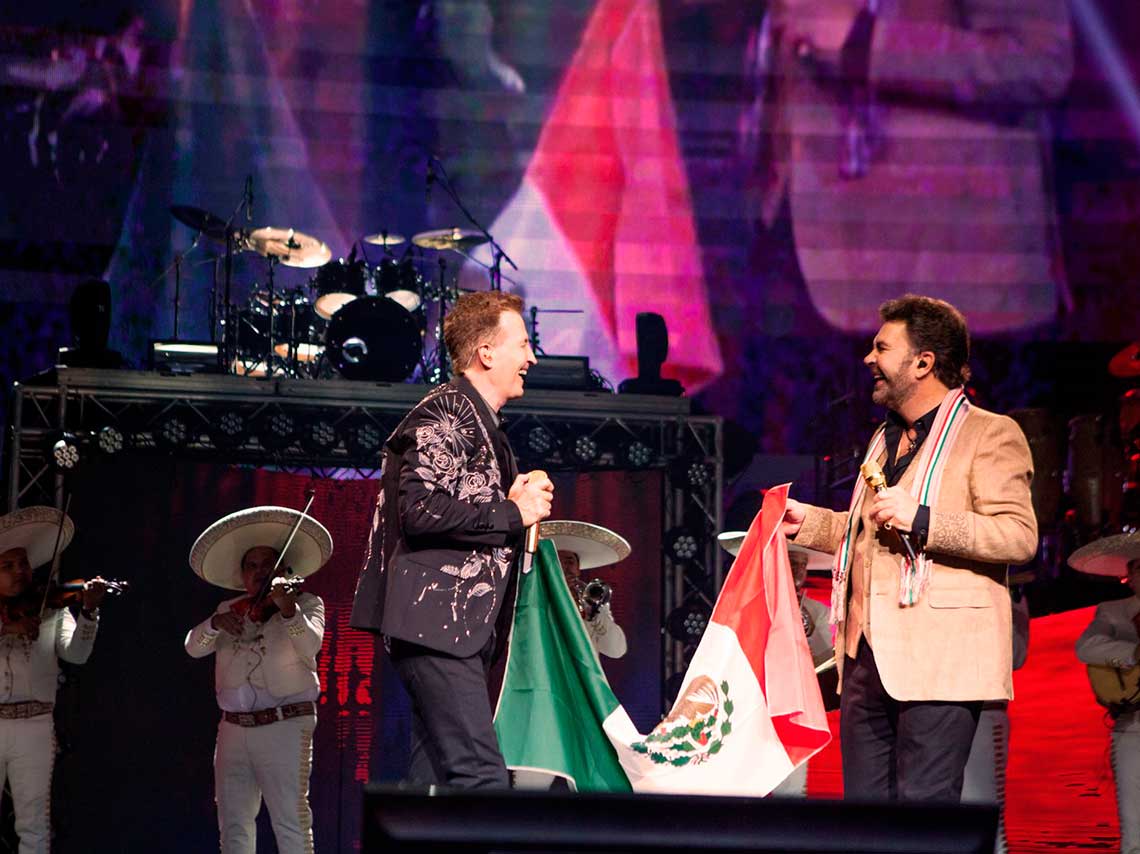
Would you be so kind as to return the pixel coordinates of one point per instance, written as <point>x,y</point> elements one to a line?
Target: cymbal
<point>289,246</point>
<point>1126,363</point>
<point>199,220</point>
<point>449,238</point>
<point>1108,555</point>
<point>384,238</point>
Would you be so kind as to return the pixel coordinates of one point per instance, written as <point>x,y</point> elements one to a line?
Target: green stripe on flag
<point>555,695</point>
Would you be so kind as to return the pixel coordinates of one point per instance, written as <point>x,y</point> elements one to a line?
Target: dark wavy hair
<point>934,325</point>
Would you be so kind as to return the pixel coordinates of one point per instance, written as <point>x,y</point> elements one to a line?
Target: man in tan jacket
<point>922,641</point>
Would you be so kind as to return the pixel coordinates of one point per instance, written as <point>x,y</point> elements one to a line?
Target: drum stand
<point>270,352</point>
<point>228,352</point>
<point>442,370</point>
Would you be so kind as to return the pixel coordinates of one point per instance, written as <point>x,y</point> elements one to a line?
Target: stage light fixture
<point>109,440</point>
<point>698,475</point>
<point>688,622</point>
<point>230,429</point>
<point>681,544</point>
<point>318,436</point>
<point>277,430</point>
<point>65,452</point>
<point>636,454</point>
<point>364,439</point>
<point>585,450</point>
<point>539,441</point>
<point>172,431</point>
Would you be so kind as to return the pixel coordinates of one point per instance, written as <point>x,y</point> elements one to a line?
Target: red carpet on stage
<point>1059,790</point>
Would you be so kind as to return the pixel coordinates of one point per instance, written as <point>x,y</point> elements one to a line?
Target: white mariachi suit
<point>28,681</point>
<point>1111,640</point>
<point>606,635</point>
<point>267,686</point>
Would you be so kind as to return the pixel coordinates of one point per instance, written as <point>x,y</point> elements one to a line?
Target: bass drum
<point>375,339</point>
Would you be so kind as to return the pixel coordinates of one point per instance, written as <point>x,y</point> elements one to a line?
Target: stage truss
<point>335,428</point>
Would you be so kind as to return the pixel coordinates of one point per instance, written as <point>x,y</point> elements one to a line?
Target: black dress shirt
<point>895,468</point>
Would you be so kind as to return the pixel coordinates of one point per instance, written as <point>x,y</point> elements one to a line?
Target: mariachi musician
<point>582,546</point>
<point>1110,646</point>
<point>265,644</point>
<point>36,630</point>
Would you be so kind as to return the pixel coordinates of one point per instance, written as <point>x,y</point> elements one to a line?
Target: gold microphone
<point>873,474</point>
<point>530,545</point>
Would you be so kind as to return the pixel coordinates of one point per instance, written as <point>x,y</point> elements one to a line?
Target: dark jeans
<point>453,738</point>
<point>900,751</point>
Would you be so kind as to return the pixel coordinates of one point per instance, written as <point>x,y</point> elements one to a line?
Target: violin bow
<point>267,584</point>
<point>53,573</point>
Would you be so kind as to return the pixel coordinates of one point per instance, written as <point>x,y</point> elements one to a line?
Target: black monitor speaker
<point>400,819</point>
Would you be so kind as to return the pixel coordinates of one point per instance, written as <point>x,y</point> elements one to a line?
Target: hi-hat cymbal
<point>1108,555</point>
<point>384,238</point>
<point>289,246</point>
<point>1126,363</point>
<point>209,224</point>
<point>460,239</point>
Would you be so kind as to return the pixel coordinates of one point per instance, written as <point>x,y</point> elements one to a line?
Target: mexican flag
<point>750,711</point>
<point>602,221</point>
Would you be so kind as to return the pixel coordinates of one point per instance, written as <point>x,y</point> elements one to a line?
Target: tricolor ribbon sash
<point>914,578</point>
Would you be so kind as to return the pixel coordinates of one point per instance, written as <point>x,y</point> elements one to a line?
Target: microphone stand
<point>498,254</point>
<point>224,355</point>
<point>176,266</point>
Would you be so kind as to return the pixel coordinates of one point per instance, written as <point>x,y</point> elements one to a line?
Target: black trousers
<point>453,737</point>
<point>900,751</point>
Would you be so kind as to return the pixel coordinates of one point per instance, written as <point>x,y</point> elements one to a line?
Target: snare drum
<point>337,284</point>
<point>400,281</point>
<point>374,338</point>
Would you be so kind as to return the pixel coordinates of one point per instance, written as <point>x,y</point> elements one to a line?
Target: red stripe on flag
<point>759,603</point>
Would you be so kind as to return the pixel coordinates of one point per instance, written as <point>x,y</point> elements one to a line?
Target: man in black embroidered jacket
<point>445,537</point>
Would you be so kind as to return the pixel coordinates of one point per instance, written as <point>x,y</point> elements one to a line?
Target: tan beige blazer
<point>955,643</point>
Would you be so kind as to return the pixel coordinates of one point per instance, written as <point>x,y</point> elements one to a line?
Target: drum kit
<point>356,318</point>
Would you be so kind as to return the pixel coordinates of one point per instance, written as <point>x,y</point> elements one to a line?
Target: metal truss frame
<point>554,430</point>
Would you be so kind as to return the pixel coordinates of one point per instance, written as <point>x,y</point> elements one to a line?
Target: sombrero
<point>731,541</point>
<point>34,530</point>
<point>1108,555</point>
<point>217,553</point>
<point>595,546</point>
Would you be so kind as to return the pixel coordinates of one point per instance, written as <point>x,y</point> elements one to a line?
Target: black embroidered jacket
<point>444,536</point>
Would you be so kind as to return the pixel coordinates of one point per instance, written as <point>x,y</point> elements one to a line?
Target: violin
<point>42,596</point>
<point>260,606</point>
<point>67,593</point>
